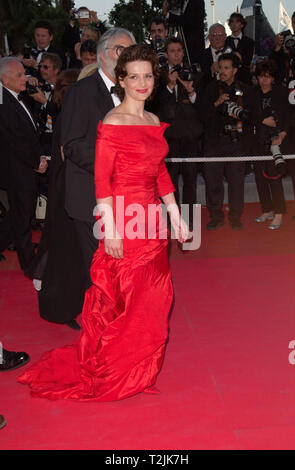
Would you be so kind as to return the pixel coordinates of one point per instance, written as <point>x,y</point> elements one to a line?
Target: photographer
<point>284,56</point>
<point>41,93</point>
<point>272,121</point>
<point>158,37</point>
<point>74,30</point>
<point>176,103</point>
<point>43,108</point>
<point>225,108</point>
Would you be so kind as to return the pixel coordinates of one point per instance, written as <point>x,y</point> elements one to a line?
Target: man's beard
<point>110,66</point>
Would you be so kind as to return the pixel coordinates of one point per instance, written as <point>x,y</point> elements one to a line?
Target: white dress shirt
<point>236,39</point>
<point>39,56</point>
<point>13,93</point>
<point>109,84</point>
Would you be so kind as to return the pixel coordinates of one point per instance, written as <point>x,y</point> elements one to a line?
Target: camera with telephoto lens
<point>272,133</point>
<point>159,47</point>
<point>232,109</point>
<point>44,87</point>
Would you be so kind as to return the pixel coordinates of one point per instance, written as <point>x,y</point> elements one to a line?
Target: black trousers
<point>88,244</point>
<point>270,191</point>
<point>16,225</point>
<point>189,172</point>
<point>235,174</point>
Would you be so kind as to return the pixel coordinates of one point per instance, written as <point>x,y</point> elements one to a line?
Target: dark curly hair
<point>135,53</point>
<point>266,66</point>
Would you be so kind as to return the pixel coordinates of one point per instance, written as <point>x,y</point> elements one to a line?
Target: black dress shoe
<point>12,360</point>
<point>74,325</point>
<point>236,224</point>
<point>215,224</point>
<point>2,257</point>
<point>2,422</point>
<point>11,247</point>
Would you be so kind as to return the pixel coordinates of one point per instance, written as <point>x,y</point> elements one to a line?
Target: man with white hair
<point>20,161</point>
<point>208,59</point>
<point>87,103</point>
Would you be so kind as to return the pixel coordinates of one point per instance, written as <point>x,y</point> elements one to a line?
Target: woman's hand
<point>114,247</point>
<point>179,225</point>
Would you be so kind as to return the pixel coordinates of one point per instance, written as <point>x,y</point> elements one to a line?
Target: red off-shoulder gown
<point>125,313</point>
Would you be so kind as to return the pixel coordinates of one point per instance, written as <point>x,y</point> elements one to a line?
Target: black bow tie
<point>19,97</point>
<point>112,89</point>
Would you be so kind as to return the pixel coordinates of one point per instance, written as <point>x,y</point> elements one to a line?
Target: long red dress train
<point>125,313</point>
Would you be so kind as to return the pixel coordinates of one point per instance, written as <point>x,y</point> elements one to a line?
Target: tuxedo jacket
<point>205,59</point>
<point>20,150</point>
<point>85,104</point>
<point>246,48</point>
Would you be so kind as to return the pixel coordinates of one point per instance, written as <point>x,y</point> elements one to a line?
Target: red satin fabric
<point>125,313</point>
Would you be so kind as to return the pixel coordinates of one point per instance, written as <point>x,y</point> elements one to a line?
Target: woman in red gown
<point>125,313</point>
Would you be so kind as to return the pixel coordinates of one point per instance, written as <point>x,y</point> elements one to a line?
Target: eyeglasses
<point>216,35</point>
<point>117,48</point>
<point>42,66</point>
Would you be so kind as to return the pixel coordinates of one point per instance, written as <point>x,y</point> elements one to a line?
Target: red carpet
<point>226,381</point>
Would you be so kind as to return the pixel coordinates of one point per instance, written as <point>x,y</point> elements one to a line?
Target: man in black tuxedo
<point>208,59</point>
<point>43,35</point>
<point>21,159</point>
<point>86,103</point>
<point>242,45</point>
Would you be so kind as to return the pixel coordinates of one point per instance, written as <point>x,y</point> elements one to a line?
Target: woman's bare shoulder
<point>114,117</point>
<point>152,117</point>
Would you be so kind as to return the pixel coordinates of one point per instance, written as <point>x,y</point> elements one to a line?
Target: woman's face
<point>265,81</point>
<point>139,81</point>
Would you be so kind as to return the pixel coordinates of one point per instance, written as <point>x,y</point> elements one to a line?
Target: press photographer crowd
<point>220,101</point>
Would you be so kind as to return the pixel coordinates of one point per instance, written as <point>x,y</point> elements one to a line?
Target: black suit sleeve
<point>74,127</point>
<point>17,141</point>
